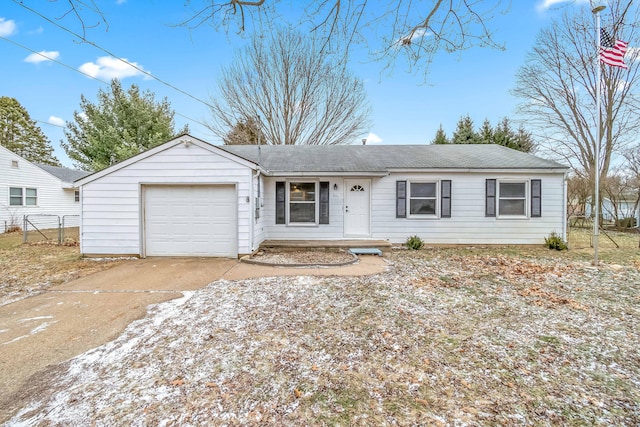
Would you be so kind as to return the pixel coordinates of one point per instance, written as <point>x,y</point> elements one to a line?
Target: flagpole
<point>596,197</point>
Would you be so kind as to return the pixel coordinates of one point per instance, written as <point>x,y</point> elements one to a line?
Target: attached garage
<point>190,220</point>
<point>182,198</point>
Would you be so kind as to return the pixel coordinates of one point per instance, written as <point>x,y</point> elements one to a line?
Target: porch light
<point>335,187</point>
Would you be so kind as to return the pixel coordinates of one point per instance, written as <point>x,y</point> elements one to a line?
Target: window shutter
<point>536,198</point>
<point>324,203</point>
<point>401,199</point>
<point>281,202</point>
<point>490,199</point>
<point>445,198</point>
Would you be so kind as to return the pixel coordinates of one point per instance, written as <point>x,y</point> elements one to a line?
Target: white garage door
<point>190,220</point>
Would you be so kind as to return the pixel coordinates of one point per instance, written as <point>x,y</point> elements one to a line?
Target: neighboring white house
<point>626,207</point>
<point>35,190</point>
<point>190,198</point>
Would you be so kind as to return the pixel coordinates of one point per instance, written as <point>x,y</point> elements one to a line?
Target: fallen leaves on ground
<point>437,339</point>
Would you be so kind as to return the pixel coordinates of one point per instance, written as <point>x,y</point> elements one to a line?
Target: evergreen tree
<point>506,136</point>
<point>20,134</point>
<point>441,137</point>
<point>486,133</point>
<point>245,132</point>
<point>121,124</point>
<point>464,133</point>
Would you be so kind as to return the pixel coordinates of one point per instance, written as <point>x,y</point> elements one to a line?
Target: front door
<point>357,207</point>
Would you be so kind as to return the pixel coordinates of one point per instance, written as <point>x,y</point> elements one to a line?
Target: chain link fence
<point>46,228</point>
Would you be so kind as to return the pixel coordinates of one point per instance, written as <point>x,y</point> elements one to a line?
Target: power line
<point>84,74</point>
<point>111,54</point>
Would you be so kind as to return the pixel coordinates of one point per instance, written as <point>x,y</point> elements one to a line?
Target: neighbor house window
<point>76,195</point>
<point>299,202</point>
<point>23,196</point>
<point>15,196</point>
<point>512,199</point>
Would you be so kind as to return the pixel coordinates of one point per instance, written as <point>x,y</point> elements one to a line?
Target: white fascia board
<point>482,171</point>
<point>328,174</point>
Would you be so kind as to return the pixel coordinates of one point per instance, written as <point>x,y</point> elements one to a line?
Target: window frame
<point>437,184</point>
<point>25,197</point>
<point>499,198</point>
<point>316,202</point>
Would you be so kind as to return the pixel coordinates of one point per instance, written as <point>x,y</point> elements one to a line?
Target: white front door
<point>357,203</point>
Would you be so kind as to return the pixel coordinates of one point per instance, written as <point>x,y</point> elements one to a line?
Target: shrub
<point>554,241</point>
<point>414,243</point>
<point>628,222</point>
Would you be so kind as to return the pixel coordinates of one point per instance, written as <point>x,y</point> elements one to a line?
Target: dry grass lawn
<point>446,336</point>
<point>29,269</point>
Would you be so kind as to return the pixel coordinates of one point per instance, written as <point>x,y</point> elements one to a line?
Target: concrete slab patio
<point>38,333</point>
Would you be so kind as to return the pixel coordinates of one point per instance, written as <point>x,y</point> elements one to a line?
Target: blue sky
<point>405,109</point>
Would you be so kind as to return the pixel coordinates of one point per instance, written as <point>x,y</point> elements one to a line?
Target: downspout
<point>255,207</point>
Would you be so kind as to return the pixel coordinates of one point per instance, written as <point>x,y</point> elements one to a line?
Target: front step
<point>327,245</point>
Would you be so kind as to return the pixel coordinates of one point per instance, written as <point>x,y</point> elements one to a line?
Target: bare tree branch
<point>558,85</point>
<point>293,90</point>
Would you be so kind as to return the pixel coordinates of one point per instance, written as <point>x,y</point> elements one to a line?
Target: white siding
<point>467,225</point>
<point>332,231</point>
<point>53,199</point>
<point>111,205</point>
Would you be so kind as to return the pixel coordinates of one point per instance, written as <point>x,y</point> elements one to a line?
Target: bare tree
<point>409,30</point>
<point>401,30</point>
<point>559,88</point>
<point>295,90</point>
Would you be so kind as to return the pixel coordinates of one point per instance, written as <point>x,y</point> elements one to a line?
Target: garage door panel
<point>190,221</point>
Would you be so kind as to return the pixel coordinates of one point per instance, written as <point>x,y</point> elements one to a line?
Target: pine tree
<point>486,134</point>
<point>20,134</point>
<point>464,133</point>
<point>506,136</point>
<point>441,137</point>
<point>121,125</point>
<point>245,132</point>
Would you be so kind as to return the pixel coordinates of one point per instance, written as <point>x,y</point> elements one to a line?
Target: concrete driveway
<point>39,333</point>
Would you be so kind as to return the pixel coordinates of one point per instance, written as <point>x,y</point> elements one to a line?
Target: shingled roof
<point>385,158</point>
<point>64,174</point>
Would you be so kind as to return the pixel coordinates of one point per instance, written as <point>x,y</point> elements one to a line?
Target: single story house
<point>191,198</point>
<point>36,190</point>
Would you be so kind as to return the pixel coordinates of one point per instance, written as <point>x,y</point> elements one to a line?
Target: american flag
<point>612,53</point>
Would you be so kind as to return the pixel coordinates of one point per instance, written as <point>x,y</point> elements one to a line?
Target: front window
<point>302,202</point>
<point>423,198</point>
<point>512,199</point>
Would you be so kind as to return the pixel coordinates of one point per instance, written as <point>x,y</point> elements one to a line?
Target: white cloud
<point>547,4</point>
<point>108,67</point>
<point>56,121</point>
<point>372,138</point>
<point>7,28</point>
<point>36,58</point>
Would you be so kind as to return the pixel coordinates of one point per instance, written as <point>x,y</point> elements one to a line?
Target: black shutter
<point>490,205</point>
<point>324,203</point>
<point>401,199</point>
<point>281,202</point>
<point>536,198</point>
<point>445,198</point>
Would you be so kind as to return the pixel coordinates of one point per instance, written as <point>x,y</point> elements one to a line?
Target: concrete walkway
<point>40,332</point>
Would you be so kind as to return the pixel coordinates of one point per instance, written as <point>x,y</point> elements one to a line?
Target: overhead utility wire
<point>84,74</point>
<point>111,54</point>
